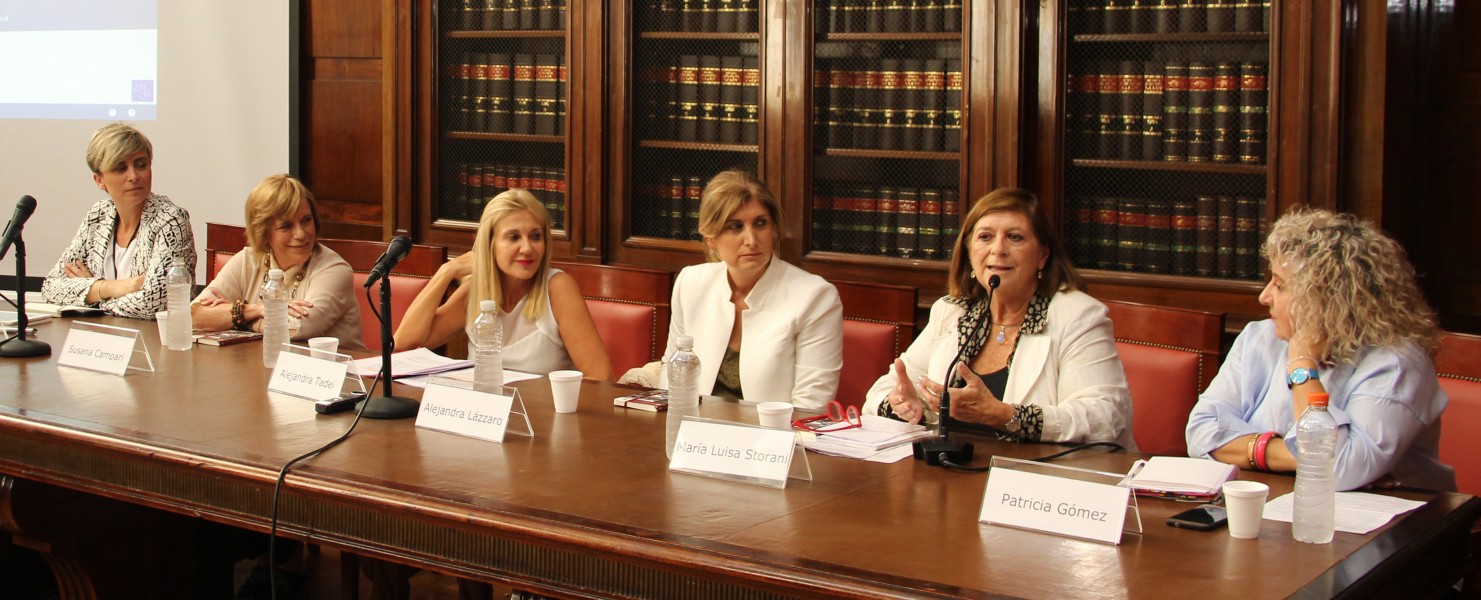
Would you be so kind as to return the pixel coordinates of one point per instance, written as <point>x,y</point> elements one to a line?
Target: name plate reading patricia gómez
<point>481,415</point>
<point>1057,505</point>
<point>307,377</point>
<point>734,451</point>
<point>97,351</point>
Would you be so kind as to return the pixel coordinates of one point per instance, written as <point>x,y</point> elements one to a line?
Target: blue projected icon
<point>143,90</point>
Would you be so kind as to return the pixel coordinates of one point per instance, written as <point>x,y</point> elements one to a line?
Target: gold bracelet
<point>1313,360</point>
<point>1250,452</point>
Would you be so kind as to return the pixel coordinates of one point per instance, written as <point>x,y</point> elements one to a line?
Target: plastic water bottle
<point>1316,496</point>
<point>178,325</point>
<point>274,318</point>
<point>683,388</point>
<point>488,348</point>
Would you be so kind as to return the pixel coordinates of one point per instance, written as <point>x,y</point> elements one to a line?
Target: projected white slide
<point>78,59</point>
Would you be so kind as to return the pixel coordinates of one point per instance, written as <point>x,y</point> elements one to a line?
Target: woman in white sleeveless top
<point>546,324</point>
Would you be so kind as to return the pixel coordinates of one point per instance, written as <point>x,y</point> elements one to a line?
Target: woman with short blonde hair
<point>1347,320</point>
<point>283,233</point>
<point>120,256</point>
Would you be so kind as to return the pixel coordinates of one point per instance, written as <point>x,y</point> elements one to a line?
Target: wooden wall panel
<point>343,28</point>
<point>343,115</point>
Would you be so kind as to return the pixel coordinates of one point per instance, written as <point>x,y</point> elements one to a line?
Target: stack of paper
<point>1180,476</point>
<point>411,363</point>
<point>9,318</point>
<point>879,440</point>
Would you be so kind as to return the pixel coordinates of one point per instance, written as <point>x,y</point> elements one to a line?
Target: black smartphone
<point>1202,518</point>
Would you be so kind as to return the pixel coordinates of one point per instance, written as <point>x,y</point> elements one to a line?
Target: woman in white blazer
<point>1037,363</point>
<point>763,329</point>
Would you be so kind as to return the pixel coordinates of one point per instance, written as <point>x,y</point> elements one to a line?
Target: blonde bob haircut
<point>485,277</point>
<point>114,142</point>
<point>1351,282</point>
<point>1058,272</point>
<point>725,194</point>
<point>276,198</point>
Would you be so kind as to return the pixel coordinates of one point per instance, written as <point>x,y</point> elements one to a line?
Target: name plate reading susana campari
<point>1055,505</point>
<point>481,415</point>
<point>307,377</point>
<point>735,450</point>
<point>97,351</point>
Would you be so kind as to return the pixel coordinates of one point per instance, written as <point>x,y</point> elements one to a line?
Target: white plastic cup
<point>323,347</point>
<point>1245,501</point>
<point>162,319</point>
<point>775,415</point>
<point>565,388</point>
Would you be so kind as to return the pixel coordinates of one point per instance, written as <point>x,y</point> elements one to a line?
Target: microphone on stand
<point>941,449</point>
<point>387,406</point>
<point>17,346</point>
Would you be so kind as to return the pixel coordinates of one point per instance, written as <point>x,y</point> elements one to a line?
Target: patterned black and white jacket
<point>164,231</point>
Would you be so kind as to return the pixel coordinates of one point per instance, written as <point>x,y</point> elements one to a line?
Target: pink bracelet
<point>1261,444</point>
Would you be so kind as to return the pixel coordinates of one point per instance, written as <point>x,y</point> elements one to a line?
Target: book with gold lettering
<point>651,401</point>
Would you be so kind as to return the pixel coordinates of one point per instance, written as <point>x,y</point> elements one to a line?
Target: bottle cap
<point>487,305</point>
<point>685,342</point>
<point>1316,399</point>
<point>275,274</point>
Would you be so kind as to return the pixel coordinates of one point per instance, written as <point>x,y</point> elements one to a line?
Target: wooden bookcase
<point>622,149</point>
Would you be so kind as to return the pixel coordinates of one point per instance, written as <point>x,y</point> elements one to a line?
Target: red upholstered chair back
<point>1170,355</point>
<point>878,324</point>
<point>406,280</point>
<point>630,307</point>
<point>1459,366</point>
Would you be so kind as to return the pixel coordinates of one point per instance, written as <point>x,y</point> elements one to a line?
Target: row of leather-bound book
<point>699,98</point>
<point>882,220</point>
<point>716,16</point>
<point>891,104</point>
<point>1206,236</point>
<point>470,186</point>
<point>1167,16</point>
<point>504,15</point>
<point>1196,111</point>
<point>507,93</point>
<point>891,16</point>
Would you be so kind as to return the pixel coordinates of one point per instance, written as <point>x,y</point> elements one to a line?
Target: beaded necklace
<point>297,279</point>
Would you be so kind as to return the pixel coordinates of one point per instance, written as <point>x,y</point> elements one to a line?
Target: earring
<point>1041,273</point>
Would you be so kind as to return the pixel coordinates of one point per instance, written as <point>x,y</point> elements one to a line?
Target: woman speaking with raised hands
<point>1036,363</point>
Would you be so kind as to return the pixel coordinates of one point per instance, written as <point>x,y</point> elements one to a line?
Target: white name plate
<point>723,449</point>
<point>1055,505</point>
<point>307,377</point>
<point>96,351</point>
<point>481,415</point>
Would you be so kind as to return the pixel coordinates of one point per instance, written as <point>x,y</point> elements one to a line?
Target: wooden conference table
<point>587,508</point>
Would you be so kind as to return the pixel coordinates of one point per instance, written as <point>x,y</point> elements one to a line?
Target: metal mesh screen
<point>887,131</point>
<point>696,108</point>
<point>501,106</point>
<point>1166,120</point>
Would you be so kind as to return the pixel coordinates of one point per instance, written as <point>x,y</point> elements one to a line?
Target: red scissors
<point>836,418</point>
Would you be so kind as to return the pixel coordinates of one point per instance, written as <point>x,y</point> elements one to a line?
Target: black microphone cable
<point>1057,455</point>
<point>272,546</point>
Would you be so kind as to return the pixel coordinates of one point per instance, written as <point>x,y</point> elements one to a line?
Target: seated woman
<point>1037,363</point>
<point>546,324</point>
<point>1346,319</point>
<point>792,319</point>
<point>283,233</point>
<point>122,253</point>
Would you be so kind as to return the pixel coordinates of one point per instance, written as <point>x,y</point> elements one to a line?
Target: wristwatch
<point>1301,375</point>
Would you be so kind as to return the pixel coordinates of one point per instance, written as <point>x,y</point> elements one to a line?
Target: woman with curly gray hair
<point>1347,320</point>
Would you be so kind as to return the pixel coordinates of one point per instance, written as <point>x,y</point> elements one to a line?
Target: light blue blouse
<point>1387,405</point>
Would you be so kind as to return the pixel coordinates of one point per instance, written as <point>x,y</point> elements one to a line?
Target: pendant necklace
<point>1002,337</point>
